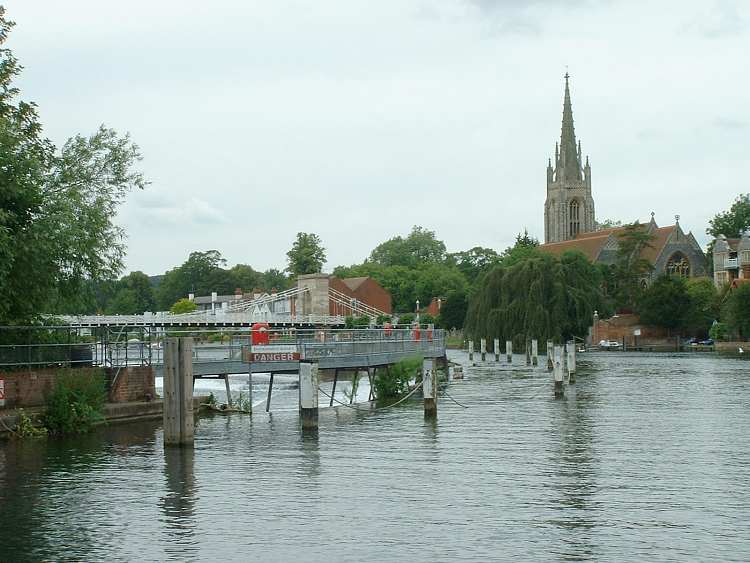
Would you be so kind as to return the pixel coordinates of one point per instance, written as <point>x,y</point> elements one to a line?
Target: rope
<point>2,421</point>
<point>376,408</point>
<point>454,400</point>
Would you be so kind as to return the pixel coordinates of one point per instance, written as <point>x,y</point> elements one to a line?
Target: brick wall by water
<point>30,388</point>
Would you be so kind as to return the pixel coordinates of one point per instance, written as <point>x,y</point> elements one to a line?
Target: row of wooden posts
<point>559,358</point>
<point>178,391</point>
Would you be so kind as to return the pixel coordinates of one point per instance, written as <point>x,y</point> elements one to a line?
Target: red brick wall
<point>30,388</point>
<point>369,292</point>
<point>615,328</point>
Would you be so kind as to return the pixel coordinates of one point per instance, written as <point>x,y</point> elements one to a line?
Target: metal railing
<point>731,263</point>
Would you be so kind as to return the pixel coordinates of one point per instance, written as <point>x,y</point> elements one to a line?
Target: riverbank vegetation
<point>393,382</point>
<point>75,403</point>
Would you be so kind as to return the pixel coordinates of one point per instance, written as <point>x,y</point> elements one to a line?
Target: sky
<point>356,119</point>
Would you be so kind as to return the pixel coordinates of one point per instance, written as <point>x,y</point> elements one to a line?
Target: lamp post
<point>417,310</point>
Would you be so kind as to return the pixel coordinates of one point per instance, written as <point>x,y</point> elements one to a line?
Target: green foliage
<point>25,427</point>
<point>419,247</point>
<point>357,322</point>
<point>382,319</point>
<point>183,306</point>
<point>56,206</point>
<point>200,274</point>
<point>474,263</point>
<point>133,295</point>
<point>704,306</point>
<point>665,303</point>
<point>394,382</point>
<point>733,222</point>
<point>608,224</point>
<point>718,331</point>
<point>426,319</point>
<point>307,255</point>
<point>738,310</point>
<point>539,297</point>
<point>453,310</point>
<point>624,285</point>
<point>75,403</point>
<point>211,400</point>
<point>406,318</point>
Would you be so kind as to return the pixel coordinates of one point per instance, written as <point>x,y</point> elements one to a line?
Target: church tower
<point>569,208</point>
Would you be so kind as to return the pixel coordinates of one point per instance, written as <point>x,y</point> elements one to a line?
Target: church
<point>570,217</point>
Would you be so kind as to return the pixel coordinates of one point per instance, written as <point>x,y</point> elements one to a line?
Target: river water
<point>646,458</point>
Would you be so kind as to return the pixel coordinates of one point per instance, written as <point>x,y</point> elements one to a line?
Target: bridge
<point>306,305</point>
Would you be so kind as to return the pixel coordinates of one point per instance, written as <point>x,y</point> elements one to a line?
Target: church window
<point>574,216</point>
<point>678,265</point>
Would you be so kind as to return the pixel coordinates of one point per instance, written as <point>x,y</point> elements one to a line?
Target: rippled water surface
<point>647,457</point>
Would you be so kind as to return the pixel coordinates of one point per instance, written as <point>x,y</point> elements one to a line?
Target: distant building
<point>731,259</point>
<point>570,220</point>
<point>329,295</point>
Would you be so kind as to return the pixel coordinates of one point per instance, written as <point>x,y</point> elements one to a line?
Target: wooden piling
<point>225,377</point>
<point>335,380</point>
<point>179,426</point>
<point>497,349</point>
<point>534,352</point>
<point>429,387</point>
<point>550,356</point>
<point>558,362</point>
<point>571,361</point>
<point>483,348</point>
<point>509,351</point>
<point>308,394</point>
<point>270,387</point>
<point>471,350</point>
<point>528,352</point>
<point>250,388</point>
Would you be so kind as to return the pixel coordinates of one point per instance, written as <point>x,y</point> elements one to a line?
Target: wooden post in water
<point>471,350</point>
<point>483,348</point>
<point>509,351</point>
<point>497,349</point>
<point>308,394</point>
<point>528,352</point>
<point>225,377</point>
<point>550,356</point>
<point>250,388</point>
<point>335,380</point>
<point>270,387</point>
<point>429,387</point>
<point>534,352</point>
<point>179,427</point>
<point>571,361</point>
<point>558,359</point>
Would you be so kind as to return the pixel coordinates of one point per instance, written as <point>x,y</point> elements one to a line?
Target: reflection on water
<point>645,458</point>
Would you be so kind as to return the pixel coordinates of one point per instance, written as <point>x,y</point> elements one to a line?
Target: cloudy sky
<point>358,119</point>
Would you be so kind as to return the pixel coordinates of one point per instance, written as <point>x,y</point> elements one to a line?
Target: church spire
<point>569,164</point>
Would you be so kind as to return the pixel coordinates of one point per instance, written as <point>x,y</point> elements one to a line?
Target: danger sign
<point>274,356</point>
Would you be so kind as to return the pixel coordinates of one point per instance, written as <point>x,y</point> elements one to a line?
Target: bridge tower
<point>315,300</point>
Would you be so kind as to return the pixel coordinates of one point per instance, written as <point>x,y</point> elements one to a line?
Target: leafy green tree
<point>245,277</point>
<point>307,255</point>
<point>538,297</point>
<point>201,274</point>
<point>631,268</point>
<point>608,224</point>
<point>666,303</point>
<point>56,206</point>
<point>525,247</point>
<point>475,262</point>
<point>453,310</point>
<point>704,306</point>
<point>182,306</point>
<point>133,295</point>
<point>733,222</point>
<point>275,279</point>
<point>738,310</point>
<point>419,247</point>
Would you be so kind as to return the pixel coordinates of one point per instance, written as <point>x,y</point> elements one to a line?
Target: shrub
<point>75,403</point>
<point>718,331</point>
<point>394,382</point>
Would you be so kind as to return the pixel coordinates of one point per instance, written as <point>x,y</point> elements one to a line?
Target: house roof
<point>354,283</point>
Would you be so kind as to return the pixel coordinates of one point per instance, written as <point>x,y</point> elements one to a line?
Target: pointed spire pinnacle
<point>568,163</point>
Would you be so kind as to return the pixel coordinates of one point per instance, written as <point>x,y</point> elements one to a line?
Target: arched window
<point>678,265</point>
<point>574,217</point>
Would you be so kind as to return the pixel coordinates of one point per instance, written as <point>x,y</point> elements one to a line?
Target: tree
<point>182,306</point>
<point>733,222</point>
<point>419,247</point>
<point>453,310</point>
<point>539,297</point>
<point>201,274</point>
<point>475,262</point>
<point>665,303</point>
<point>245,277</point>
<point>607,224</point>
<point>275,279</point>
<point>56,207</point>
<point>738,310</point>
<point>133,295</point>
<point>525,247</point>
<point>631,268</point>
<point>704,306</point>
<point>307,255</point>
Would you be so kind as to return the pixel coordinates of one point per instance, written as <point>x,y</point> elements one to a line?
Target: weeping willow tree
<point>542,297</point>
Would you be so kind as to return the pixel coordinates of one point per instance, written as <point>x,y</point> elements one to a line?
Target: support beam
<point>250,387</point>
<point>225,377</point>
<point>550,356</point>
<point>429,387</point>
<point>308,394</point>
<point>335,380</point>
<point>483,348</point>
<point>571,361</point>
<point>471,350</point>
<point>179,426</point>
<point>558,359</point>
<point>509,351</point>
<point>534,352</point>
<point>268,399</point>
<point>496,343</point>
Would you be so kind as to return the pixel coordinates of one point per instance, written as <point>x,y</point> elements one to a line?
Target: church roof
<point>591,245</point>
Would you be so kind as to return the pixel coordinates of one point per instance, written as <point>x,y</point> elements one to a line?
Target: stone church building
<point>570,218</point>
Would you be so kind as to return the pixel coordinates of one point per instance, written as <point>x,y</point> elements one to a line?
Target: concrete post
<point>550,356</point>
<point>571,361</point>
<point>308,394</point>
<point>179,427</point>
<point>534,352</point>
<point>509,351</point>
<point>497,349</point>
<point>471,350</point>
<point>483,348</point>
<point>429,388</point>
<point>558,360</point>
